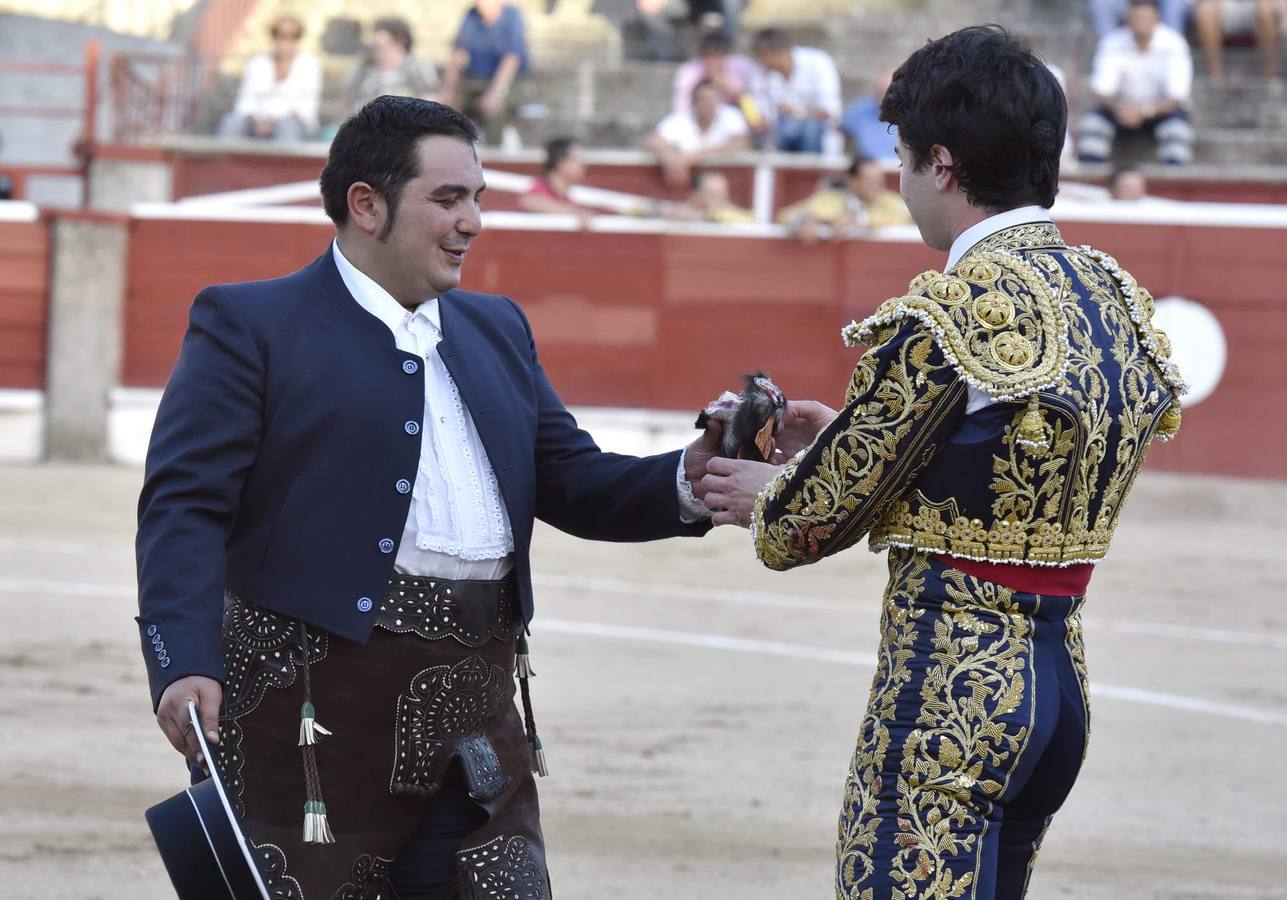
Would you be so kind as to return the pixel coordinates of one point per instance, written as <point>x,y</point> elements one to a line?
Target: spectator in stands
<point>861,124</point>
<point>280,91</point>
<point>487,57</point>
<point>1141,81</point>
<point>1127,183</point>
<point>732,73</point>
<point>798,89</point>
<point>710,202</point>
<point>1217,18</point>
<point>550,191</point>
<point>710,128</point>
<point>857,203</point>
<point>659,27</point>
<point>1108,15</point>
<point>391,68</point>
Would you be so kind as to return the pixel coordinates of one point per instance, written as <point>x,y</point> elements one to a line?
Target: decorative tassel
<point>538,756</point>
<point>523,658</point>
<point>316,829</point>
<point>308,727</point>
<point>1169,425</point>
<point>524,667</point>
<point>1032,428</point>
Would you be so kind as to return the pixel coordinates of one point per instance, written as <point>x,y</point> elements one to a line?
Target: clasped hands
<point>729,487</point>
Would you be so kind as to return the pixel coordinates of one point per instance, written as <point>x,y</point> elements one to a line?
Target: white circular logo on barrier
<point>1197,342</point>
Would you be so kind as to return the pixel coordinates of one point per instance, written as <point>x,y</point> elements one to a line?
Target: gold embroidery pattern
<point>861,462</point>
<point>1066,333</point>
<point>1077,653</point>
<point>973,724</point>
<point>1029,355</point>
<point>1023,237</point>
<point>856,841</point>
<point>1060,505</point>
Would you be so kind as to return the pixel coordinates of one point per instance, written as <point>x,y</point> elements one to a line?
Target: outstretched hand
<point>700,452</point>
<point>801,422</point>
<point>731,486</point>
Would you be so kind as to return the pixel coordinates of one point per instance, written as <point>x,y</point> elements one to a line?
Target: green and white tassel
<point>538,756</point>
<point>523,659</point>
<point>308,727</point>
<point>316,829</point>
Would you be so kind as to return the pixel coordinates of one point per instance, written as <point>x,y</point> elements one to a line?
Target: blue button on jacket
<point>282,427</point>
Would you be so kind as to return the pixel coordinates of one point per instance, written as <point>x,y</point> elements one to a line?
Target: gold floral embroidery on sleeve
<point>903,401</point>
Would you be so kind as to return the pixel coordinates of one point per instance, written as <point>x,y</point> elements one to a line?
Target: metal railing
<point>87,112</point>
<point>153,94</point>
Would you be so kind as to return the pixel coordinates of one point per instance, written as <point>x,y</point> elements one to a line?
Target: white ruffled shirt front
<point>457,527</point>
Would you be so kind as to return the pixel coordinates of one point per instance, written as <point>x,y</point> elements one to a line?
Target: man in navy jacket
<point>331,446</point>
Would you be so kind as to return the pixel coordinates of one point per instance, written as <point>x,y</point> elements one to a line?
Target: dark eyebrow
<point>454,190</point>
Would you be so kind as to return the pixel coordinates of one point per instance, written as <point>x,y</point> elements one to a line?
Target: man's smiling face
<point>438,215</point>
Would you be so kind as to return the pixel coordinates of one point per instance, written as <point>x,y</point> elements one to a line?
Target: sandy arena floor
<point>698,710</point>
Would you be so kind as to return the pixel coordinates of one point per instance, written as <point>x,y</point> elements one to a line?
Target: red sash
<point>1068,581</point>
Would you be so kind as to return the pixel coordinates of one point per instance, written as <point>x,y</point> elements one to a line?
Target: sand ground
<point>698,710</point>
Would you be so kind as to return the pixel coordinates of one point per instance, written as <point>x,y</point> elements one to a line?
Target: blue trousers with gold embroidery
<point>973,736</point>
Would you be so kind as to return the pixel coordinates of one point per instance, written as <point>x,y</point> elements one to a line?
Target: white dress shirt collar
<point>376,300</point>
<point>1023,215</point>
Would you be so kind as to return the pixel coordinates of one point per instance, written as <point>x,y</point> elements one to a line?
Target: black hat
<point>201,840</point>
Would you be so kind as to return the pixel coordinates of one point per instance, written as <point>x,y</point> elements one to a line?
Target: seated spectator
<point>280,91</point>
<point>871,137</point>
<point>563,170</point>
<point>798,90</point>
<point>710,202</point>
<point>487,57</point>
<point>1141,80</point>
<point>391,68</point>
<point>856,204</point>
<point>1216,19</point>
<point>1127,183</point>
<point>1108,15</point>
<point>659,27</point>
<point>709,128</point>
<point>731,73</point>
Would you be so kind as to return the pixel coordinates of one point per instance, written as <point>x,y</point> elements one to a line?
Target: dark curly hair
<point>379,145</point>
<point>986,97</point>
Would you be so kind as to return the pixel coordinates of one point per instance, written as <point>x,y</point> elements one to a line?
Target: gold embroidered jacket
<point>1062,338</point>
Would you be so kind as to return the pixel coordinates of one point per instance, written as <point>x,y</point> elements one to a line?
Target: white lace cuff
<point>691,510</point>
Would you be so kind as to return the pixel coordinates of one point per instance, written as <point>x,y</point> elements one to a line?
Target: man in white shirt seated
<point>798,90</point>
<point>280,91</point>
<point>1142,77</point>
<point>709,128</point>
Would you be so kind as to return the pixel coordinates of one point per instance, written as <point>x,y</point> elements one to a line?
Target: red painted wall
<point>667,321</point>
<point>24,293</point>
<point>207,173</point>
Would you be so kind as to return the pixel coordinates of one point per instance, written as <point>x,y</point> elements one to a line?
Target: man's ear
<point>367,208</point>
<point>942,162</point>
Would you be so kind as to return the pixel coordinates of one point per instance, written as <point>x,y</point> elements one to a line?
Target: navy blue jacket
<point>288,435</point>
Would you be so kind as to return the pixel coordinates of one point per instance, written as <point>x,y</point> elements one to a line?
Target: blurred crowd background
<point>1173,82</point>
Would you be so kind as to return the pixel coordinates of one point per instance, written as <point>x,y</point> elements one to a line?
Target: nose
<point>471,220</point>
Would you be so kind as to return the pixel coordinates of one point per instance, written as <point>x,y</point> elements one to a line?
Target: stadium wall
<point>665,319</point>
<point>24,296</point>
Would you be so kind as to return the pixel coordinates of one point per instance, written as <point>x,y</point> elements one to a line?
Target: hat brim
<point>201,841</point>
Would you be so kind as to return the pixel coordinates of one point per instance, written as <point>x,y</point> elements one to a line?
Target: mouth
<point>456,254</point>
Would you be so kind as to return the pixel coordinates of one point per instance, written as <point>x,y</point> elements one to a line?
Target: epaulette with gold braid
<point>998,323</point>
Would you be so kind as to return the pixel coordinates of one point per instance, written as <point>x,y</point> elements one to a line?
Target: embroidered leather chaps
<point>430,695</point>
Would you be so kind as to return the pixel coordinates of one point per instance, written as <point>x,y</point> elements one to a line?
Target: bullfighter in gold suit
<point>989,438</point>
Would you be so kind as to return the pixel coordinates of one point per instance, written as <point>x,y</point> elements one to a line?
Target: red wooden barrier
<point>666,320</point>
<point>24,292</point>
<point>212,170</point>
